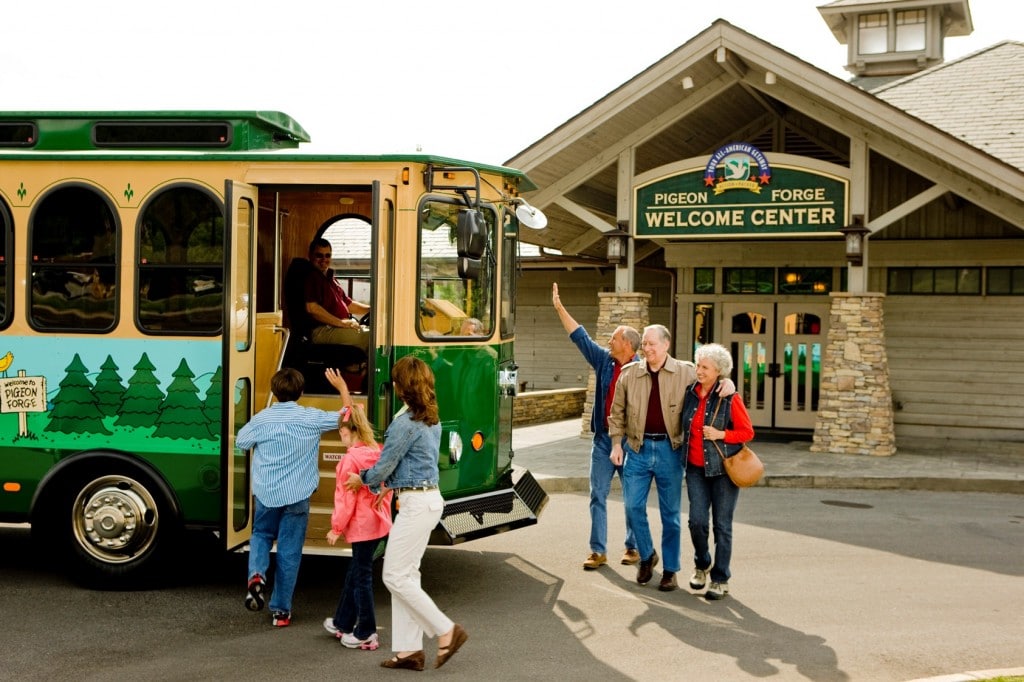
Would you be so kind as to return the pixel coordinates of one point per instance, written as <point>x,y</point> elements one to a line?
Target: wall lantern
<point>854,234</point>
<point>617,245</point>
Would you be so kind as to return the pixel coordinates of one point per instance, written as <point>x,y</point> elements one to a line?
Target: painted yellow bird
<point>5,362</point>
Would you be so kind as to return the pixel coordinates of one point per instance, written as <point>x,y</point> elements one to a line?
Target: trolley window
<point>181,263</point>
<point>456,293</point>
<point>73,242</point>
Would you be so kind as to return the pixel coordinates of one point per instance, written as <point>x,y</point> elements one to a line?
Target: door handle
<point>774,370</point>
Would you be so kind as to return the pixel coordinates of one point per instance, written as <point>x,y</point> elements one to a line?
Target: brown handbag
<point>745,467</point>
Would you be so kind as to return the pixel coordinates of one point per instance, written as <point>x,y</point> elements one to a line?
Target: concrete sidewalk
<point>559,459</point>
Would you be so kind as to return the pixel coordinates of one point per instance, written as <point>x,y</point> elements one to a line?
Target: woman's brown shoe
<point>459,638</point>
<point>413,661</point>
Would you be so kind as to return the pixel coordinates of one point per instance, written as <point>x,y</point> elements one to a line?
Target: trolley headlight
<point>454,447</point>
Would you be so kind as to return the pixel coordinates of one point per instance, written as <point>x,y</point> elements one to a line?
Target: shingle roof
<point>978,98</point>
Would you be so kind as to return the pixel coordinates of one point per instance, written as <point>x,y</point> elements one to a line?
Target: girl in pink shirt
<point>362,519</point>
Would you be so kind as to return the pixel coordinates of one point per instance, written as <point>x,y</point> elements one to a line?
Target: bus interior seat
<point>309,358</point>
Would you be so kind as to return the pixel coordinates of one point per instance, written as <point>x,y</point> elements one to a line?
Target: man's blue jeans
<point>656,460</point>
<point>355,612</point>
<point>601,473</point>
<point>288,525</point>
<point>711,497</point>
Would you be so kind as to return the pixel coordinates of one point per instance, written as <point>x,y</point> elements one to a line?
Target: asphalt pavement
<point>558,455</point>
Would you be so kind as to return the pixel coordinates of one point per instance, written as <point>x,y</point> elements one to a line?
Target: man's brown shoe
<point>668,582</point>
<point>595,560</point>
<point>646,570</point>
<point>630,557</point>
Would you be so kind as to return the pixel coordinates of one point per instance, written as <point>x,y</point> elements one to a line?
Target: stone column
<point>613,309</point>
<point>855,413</point>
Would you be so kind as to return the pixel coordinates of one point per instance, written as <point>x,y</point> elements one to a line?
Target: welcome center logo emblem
<point>737,162</point>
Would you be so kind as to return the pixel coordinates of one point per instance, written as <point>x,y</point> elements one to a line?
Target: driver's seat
<point>310,358</point>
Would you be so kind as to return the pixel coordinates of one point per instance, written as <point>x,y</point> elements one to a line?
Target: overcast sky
<point>474,79</point>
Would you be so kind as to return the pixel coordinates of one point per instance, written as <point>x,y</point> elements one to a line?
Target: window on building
<point>749,280</point>
<point>934,281</point>
<point>910,30</point>
<point>704,280</point>
<point>703,324</point>
<point>73,247</point>
<point>805,281</point>
<point>873,33</point>
<point>181,263</point>
<point>1004,281</point>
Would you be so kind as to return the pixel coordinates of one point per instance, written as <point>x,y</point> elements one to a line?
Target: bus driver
<point>329,306</point>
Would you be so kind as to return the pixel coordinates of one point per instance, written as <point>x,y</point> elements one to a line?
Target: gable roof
<point>715,89</point>
<point>980,102</point>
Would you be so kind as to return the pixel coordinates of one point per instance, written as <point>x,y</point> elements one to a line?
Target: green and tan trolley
<point>149,264</point>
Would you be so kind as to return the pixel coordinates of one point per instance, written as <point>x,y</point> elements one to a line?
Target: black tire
<point>113,524</point>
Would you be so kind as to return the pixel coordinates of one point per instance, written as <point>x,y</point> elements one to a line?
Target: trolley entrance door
<point>239,358</point>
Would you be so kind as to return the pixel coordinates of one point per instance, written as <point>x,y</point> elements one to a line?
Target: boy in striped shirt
<point>286,438</point>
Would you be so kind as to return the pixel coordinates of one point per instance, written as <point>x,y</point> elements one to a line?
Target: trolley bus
<point>151,275</point>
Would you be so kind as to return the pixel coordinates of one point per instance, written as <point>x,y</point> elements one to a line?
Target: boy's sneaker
<point>332,628</point>
<point>699,579</point>
<point>254,599</point>
<point>352,642</point>
<point>717,591</point>
<point>281,619</point>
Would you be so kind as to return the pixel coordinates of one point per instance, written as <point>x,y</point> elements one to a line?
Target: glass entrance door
<point>777,350</point>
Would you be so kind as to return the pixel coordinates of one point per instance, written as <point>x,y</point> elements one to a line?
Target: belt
<point>655,436</point>
<point>416,489</point>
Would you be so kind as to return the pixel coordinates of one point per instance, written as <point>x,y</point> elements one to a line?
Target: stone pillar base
<point>855,413</point>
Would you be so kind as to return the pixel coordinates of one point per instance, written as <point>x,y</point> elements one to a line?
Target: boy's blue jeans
<point>288,526</point>
<point>355,612</point>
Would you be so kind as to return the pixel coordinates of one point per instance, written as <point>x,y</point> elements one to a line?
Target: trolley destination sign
<point>739,194</point>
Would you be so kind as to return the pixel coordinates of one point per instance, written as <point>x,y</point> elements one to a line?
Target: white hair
<point>719,356</point>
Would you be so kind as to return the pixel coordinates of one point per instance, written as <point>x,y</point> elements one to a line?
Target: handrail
<point>280,359</point>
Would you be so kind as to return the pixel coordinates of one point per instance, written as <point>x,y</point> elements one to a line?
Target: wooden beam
<point>610,154</point>
<point>588,238</point>
<point>906,208</point>
<point>667,69</point>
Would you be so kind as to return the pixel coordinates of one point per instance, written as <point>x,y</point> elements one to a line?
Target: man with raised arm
<point>607,364</point>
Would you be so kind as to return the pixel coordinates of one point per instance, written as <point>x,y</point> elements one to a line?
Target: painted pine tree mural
<point>109,390</point>
<point>212,404</point>
<point>141,405</point>
<point>181,415</point>
<point>75,407</point>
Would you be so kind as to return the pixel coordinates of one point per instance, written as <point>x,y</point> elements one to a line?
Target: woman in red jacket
<point>362,518</point>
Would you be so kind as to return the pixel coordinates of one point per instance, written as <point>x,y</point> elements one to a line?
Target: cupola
<point>888,39</point>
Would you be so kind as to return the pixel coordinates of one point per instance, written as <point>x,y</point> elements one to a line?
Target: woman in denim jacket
<point>408,465</point>
<point>708,417</point>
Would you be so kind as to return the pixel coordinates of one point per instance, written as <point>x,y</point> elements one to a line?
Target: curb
<point>567,484</point>
<point>973,675</point>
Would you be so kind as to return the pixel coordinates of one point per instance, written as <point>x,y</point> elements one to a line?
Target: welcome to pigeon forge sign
<point>739,192</point>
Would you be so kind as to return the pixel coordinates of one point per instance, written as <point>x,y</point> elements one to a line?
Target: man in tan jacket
<point>646,410</point>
